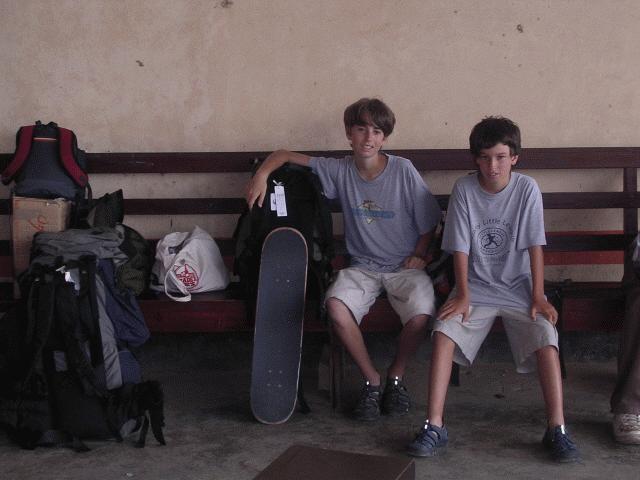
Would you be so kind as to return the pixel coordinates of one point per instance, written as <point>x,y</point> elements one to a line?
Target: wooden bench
<point>591,305</point>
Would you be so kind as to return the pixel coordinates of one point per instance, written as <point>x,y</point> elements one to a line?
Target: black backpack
<point>307,211</point>
<point>47,163</point>
<point>108,211</point>
<point>54,377</point>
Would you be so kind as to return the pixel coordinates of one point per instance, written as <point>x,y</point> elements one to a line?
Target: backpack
<point>47,163</point>
<point>67,365</point>
<point>440,266</point>
<point>307,210</point>
<point>108,211</point>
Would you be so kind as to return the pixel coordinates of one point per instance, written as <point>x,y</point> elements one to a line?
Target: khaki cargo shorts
<point>409,291</point>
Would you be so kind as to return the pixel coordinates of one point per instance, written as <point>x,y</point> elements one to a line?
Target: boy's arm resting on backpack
<point>539,303</point>
<point>460,303</point>
<point>417,258</point>
<point>257,186</point>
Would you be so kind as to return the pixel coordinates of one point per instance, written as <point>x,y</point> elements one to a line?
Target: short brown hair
<point>370,111</point>
<point>492,131</point>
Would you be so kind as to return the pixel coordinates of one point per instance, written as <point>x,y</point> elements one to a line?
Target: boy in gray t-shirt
<point>495,230</point>
<point>389,217</point>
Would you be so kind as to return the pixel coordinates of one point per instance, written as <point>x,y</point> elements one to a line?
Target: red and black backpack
<point>47,163</point>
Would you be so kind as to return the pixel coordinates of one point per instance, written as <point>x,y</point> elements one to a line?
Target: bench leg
<point>559,327</point>
<point>336,370</point>
<point>454,380</point>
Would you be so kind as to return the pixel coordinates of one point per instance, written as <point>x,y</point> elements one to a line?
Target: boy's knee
<point>419,322</point>
<point>339,313</point>
<point>443,340</point>
<point>547,350</point>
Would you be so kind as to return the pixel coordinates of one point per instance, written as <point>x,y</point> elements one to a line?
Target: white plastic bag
<point>188,263</point>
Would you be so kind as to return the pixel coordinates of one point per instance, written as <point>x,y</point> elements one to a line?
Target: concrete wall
<point>178,75</point>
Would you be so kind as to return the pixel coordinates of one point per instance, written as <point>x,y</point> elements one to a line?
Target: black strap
<point>40,312</point>
<point>142,438</point>
<point>302,402</point>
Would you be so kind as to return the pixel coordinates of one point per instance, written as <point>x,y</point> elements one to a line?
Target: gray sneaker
<point>429,442</point>
<point>395,399</point>
<point>626,428</point>
<point>368,407</point>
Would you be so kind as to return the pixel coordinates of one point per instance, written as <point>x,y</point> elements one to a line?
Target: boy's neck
<point>491,187</point>
<point>371,168</point>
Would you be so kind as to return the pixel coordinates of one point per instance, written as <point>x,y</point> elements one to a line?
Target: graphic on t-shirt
<point>492,241</point>
<point>369,211</point>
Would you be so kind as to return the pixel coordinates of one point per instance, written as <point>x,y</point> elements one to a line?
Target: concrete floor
<point>495,419</point>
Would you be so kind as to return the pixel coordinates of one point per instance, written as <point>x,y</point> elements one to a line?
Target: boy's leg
<point>454,340</point>
<point>411,336</point>
<point>551,383</point>
<point>451,339</point>
<point>556,438</point>
<point>539,336</point>
<point>410,293</point>
<point>526,337</point>
<point>345,326</point>
<point>348,299</point>
<point>433,438</point>
<point>625,400</point>
<point>439,374</point>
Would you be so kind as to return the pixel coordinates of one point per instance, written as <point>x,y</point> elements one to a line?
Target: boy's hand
<point>543,307</point>
<point>256,189</point>
<point>415,262</point>
<point>454,306</point>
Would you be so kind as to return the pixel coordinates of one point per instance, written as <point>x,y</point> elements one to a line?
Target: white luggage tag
<point>280,200</point>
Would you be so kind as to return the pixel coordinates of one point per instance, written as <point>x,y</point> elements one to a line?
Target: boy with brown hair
<point>495,231</point>
<point>389,217</point>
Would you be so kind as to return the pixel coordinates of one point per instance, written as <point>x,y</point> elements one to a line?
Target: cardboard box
<point>311,463</point>
<point>32,215</point>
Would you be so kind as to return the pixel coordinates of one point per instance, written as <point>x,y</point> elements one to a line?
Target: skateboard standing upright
<point>277,342</point>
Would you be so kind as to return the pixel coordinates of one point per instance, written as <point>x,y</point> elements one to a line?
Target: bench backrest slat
<point>423,159</point>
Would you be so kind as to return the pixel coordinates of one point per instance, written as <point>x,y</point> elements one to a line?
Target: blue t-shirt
<point>383,217</point>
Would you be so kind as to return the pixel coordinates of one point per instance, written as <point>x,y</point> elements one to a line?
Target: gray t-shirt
<point>384,217</point>
<point>496,230</point>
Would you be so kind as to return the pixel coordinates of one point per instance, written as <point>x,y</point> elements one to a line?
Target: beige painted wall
<point>178,75</point>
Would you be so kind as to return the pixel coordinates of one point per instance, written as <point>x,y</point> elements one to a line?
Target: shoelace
<point>563,441</point>
<point>428,437</point>
<point>399,394</point>
<point>368,396</point>
<point>629,422</point>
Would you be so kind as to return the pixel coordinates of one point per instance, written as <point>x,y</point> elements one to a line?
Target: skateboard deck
<point>277,341</point>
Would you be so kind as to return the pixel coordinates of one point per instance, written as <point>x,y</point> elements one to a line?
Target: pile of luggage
<point>69,367</point>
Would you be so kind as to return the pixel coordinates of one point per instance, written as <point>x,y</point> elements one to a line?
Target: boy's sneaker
<point>560,446</point>
<point>430,441</point>
<point>626,428</point>
<point>395,399</point>
<point>368,407</point>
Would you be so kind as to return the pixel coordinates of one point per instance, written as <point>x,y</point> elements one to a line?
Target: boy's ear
<point>347,131</point>
<point>514,160</point>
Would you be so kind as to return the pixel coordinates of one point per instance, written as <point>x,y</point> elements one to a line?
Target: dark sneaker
<point>368,407</point>
<point>561,447</point>
<point>430,441</point>
<point>395,399</point>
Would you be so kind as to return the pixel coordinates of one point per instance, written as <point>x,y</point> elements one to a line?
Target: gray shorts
<point>525,335</point>
<point>410,291</point>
